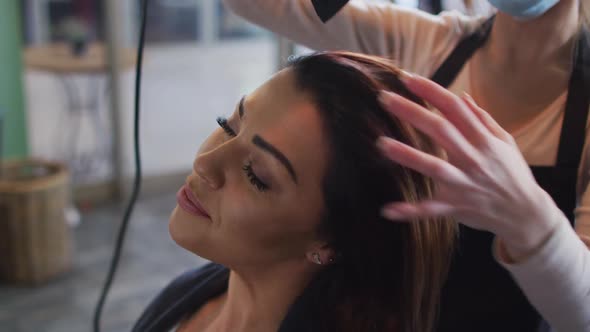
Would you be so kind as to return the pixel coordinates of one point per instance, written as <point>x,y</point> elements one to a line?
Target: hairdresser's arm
<point>563,262</point>
<point>486,184</point>
<point>415,39</point>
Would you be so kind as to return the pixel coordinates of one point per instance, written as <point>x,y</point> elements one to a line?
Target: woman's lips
<point>188,202</point>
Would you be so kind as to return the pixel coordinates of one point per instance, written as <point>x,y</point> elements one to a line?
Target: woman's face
<point>258,182</point>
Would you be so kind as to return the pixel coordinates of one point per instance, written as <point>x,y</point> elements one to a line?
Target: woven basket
<point>35,241</point>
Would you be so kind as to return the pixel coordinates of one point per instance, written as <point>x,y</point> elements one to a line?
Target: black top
<point>479,294</point>
<point>188,292</point>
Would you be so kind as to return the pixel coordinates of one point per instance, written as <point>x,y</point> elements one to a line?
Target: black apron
<point>480,295</point>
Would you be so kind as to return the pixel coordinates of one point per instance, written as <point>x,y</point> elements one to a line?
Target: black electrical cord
<point>136,182</point>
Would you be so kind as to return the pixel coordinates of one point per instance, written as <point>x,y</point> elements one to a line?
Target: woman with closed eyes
<point>285,199</point>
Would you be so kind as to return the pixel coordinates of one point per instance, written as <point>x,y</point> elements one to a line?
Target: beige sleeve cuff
<point>555,279</point>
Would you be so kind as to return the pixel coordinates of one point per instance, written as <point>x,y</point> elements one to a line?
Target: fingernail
<point>384,142</point>
<point>468,96</point>
<point>405,76</point>
<point>381,142</point>
<point>384,97</point>
<point>391,213</point>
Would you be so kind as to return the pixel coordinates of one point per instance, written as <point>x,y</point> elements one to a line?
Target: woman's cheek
<point>243,209</point>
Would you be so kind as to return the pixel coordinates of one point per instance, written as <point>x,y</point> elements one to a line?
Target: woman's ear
<point>321,255</point>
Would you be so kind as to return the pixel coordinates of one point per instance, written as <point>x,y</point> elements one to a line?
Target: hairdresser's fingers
<point>402,211</point>
<point>487,120</point>
<point>451,106</point>
<point>422,162</point>
<point>435,126</point>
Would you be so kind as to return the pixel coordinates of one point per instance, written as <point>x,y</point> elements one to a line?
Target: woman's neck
<point>259,299</point>
<point>544,41</point>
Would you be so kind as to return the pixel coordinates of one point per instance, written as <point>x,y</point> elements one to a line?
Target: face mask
<point>524,9</point>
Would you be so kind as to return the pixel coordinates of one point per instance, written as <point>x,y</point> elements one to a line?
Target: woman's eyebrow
<point>261,143</point>
<point>241,107</point>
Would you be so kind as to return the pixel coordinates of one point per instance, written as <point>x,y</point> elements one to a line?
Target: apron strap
<point>450,68</point>
<point>573,130</point>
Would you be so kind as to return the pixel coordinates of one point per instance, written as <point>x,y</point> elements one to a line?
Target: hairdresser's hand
<point>485,183</point>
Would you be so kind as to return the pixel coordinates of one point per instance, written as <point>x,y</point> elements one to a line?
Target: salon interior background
<point>78,111</point>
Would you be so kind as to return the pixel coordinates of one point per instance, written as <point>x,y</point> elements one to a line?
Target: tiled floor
<point>150,260</point>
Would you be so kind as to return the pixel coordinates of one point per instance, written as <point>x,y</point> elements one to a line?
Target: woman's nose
<point>209,167</point>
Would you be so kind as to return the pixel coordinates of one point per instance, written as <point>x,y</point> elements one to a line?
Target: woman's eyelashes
<point>225,126</point>
<point>254,179</point>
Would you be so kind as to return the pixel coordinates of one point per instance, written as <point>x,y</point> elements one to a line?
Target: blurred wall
<point>12,109</point>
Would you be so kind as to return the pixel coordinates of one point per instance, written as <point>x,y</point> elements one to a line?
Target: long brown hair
<point>387,276</point>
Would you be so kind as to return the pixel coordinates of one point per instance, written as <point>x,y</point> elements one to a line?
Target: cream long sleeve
<point>417,40</point>
<point>556,279</point>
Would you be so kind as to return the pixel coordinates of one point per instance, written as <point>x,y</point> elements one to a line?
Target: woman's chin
<point>186,232</point>
<point>193,235</point>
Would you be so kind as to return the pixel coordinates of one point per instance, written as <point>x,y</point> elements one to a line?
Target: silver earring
<point>317,259</point>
